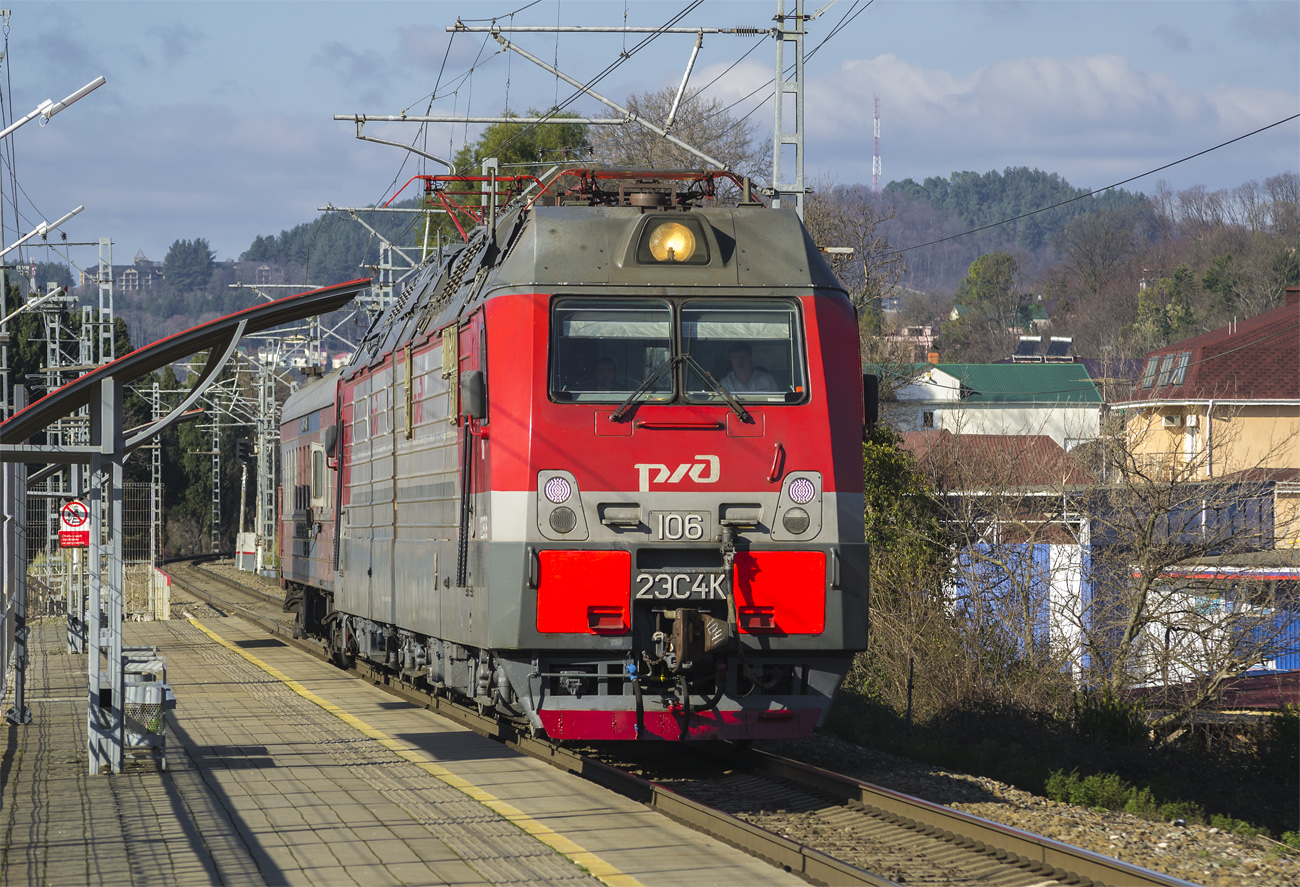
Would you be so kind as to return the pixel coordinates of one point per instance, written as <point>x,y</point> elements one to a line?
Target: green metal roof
<point>1024,382</point>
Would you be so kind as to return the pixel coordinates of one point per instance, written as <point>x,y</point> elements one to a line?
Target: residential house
<point>145,274</point>
<point>1227,401</point>
<point>141,274</point>
<point>1014,505</point>
<point>1220,414</point>
<point>915,341</point>
<point>1053,399</point>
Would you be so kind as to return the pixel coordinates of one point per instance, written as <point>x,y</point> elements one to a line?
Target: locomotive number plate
<point>684,586</point>
<point>680,526</point>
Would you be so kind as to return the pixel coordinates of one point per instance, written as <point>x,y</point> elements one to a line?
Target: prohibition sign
<point>74,514</point>
<point>74,530</point>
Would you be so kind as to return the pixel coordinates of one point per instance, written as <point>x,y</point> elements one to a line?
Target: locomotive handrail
<point>640,423</point>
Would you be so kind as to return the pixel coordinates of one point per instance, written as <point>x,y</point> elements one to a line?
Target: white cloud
<point>1087,118</point>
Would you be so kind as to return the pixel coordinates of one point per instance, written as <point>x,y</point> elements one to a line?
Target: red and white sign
<point>74,525</point>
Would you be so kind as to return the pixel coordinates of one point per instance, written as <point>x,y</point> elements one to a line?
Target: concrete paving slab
<point>326,781</point>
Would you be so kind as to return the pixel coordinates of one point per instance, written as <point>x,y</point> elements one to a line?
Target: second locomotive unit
<point>599,470</point>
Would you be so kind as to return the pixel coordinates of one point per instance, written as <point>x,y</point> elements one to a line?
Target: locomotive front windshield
<point>605,350</point>
<point>750,348</point>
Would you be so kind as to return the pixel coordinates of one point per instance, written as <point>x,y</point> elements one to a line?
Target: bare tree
<point>1053,578</point>
<point>702,123</point>
<point>1011,519</point>
<point>852,217</point>
<point>1094,246</point>
<point>1161,612</point>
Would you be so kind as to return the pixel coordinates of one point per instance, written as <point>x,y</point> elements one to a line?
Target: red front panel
<point>780,592</point>
<point>584,592</point>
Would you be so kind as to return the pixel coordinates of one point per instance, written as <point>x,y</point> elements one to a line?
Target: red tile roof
<point>1253,359</point>
<point>992,461</point>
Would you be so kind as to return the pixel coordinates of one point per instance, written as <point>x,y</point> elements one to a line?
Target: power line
<point>1097,191</point>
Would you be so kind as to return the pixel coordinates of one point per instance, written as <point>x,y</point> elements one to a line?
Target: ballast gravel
<point>1199,854</point>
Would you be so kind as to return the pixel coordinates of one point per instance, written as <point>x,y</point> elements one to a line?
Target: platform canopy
<point>219,337</point>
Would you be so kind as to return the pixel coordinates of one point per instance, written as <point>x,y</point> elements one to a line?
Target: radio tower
<point>875,157</point>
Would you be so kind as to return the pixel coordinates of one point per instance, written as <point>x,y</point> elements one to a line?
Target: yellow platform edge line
<point>595,865</point>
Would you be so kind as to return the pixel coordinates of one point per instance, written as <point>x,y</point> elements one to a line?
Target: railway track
<point>829,828</point>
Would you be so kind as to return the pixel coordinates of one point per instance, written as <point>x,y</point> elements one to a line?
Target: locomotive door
<point>466,606</point>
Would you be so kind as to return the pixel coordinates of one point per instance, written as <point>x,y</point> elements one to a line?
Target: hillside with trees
<point>1119,273</point>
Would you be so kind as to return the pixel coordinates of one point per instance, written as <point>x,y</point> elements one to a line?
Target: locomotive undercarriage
<point>688,676</point>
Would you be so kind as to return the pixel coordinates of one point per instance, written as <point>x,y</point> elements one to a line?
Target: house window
<point>927,419</point>
<point>1165,367</point>
<point>1149,374</point>
<point>1180,370</point>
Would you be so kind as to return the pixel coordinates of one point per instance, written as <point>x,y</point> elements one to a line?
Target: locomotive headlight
<point>672,242</point>
<point>563,520</point>
<point>560,513</point>
<point>802,491</point>
<point>795,521</point>
<point>558,490</point>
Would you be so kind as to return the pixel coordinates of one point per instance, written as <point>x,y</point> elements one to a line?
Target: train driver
<point>743,376</point>
<point>606,377</point>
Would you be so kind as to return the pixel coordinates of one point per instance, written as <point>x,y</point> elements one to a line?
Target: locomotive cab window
<point>751,348</point>
<point>604,349</point>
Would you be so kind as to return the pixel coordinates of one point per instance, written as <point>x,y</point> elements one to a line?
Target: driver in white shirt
<point>743,377</point>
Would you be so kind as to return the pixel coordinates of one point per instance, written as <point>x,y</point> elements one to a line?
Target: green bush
<point>1277,745</point>
<point>1142,803</point>
<point>1291,839</point>
<point>1105,790</point>
<point>1104,717</point>
<point>1047,752</point>
<point>1185,810</point>
<point>1236,826</point>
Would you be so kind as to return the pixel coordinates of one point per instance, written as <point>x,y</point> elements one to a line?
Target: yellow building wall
<point>1239,438</point>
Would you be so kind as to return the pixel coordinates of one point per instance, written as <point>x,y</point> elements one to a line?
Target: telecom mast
<point>875,157</point>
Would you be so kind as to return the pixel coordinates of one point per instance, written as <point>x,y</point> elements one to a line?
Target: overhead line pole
<point>783,191</point>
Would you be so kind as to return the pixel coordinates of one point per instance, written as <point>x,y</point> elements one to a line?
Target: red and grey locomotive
<point>598,470</point>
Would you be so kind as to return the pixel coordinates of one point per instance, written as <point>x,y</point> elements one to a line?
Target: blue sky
<point>216,120</point>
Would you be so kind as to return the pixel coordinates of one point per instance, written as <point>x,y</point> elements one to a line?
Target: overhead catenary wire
<point>609,69</point>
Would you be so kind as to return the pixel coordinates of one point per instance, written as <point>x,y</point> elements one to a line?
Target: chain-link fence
<point>54,574</point>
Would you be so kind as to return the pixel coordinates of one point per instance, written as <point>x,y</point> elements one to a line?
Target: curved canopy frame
<point>219,336</point>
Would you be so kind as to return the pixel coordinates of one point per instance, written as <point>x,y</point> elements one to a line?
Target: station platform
<point>283,770</point>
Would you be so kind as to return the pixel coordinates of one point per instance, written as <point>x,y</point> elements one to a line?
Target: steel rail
<point>1058,860</point>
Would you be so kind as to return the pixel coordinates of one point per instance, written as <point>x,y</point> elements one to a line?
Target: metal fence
<point>53,573</point>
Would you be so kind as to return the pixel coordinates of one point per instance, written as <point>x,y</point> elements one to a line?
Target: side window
<point>319,477</point>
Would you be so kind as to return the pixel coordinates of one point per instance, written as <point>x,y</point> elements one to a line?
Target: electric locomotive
<point>598,470</point>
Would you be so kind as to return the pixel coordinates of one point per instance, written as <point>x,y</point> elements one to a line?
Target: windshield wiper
<point>726,395</point>
<point>691,362</point>
<point>642,389</point>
